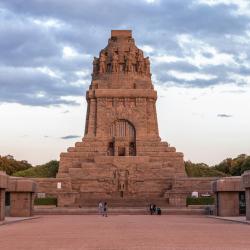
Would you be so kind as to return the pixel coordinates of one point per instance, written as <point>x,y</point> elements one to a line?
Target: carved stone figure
<point>115,65</point>
<point>128,63</point>
<point>147,66</point>
<point>102,63</point>
<point>95,65</point>
<point>122,180</point>
<point>140,62</point>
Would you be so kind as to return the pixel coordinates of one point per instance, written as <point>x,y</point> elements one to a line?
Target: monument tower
<point>121,157</point>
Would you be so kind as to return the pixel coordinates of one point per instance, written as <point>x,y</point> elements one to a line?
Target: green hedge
<point>200,201</point>
<point>46,201</point>
<point>48,170</point>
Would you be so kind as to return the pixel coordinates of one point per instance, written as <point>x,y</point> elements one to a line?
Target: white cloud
<point>166,58</point>
<point>48,71</point>
<point>147,48</point>
<point>239,79</point>
<point>190,76</point>
<point>201,54</point>
<point>69,52</point>
<point>48,23</point>
<point>151,1</point>
<point>243,6</point>
<point>83,73</point>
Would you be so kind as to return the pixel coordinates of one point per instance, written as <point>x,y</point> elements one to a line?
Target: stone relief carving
<point>121,60</point>
<point>95,65</point>
<point>102,63</point>
<point>147,66</point>
<point>115,64</point>
<point>128,63</point>
<point>121,179</point>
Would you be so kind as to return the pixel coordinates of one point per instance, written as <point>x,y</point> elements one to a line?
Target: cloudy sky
<point>200,57</point>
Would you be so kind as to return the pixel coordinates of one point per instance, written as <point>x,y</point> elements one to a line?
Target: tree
<point>10,165</point>
<point>246,165</point>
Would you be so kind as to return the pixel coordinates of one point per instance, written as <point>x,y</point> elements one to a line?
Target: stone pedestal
<point>67,199</point>
<point>227,196</point>
<point>227,204</point>
<point>246,185</point>
<point>2,204</point>
<point>21,197</point>
<point>21,204</point>
<point>3,186</point>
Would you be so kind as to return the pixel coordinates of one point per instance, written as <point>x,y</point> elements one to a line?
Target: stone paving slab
<point>9,220</point>
<point>125,232</point>
<point>239,219</point>
<point>117,210</point>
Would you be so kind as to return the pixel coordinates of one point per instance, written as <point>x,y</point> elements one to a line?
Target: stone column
<point>246,185</point>
<point>227,196</point>
<point>92,118</point>
<point>2,204</point>
<point>21,204</point>
<point>21,197</point>
<point>3,186</point>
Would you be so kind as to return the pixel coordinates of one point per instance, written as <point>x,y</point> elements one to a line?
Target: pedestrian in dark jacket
<point>151,208</point>
<point>105,209</point>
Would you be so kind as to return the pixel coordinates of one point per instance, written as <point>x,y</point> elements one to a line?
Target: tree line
<point>228,167</point>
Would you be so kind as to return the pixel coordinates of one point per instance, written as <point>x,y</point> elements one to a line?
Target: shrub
<point>202,170</point>
<point>10,166</point>
<point>200,200</point>
<point>45,201</point>
<point>48,170</point>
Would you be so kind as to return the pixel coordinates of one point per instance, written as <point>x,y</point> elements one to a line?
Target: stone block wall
<point>21,204</point>
<point>3,186</point>
<point>2,204</point>
<point>227,204</point>
<point>49,185</point>
<point>246,185</point>
<point>227,195</point>
<point>184,186</point>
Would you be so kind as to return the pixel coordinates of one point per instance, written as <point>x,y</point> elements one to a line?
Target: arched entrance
<point>122,139</point>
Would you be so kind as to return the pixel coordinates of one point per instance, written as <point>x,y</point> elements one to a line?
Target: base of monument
<point>125,202</point>
<point>117,211</point>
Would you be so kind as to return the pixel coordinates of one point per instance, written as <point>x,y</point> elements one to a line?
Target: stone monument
<point>121,157</point>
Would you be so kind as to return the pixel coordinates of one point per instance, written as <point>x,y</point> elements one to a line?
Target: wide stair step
<point>115,211</point>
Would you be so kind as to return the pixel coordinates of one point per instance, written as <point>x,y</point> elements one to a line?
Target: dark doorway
<point>121,151</point>
<point>111,150</point>
<point>132,149</point>
<point>7,199</point>
<point>242,203</point>
<point>7,204</point>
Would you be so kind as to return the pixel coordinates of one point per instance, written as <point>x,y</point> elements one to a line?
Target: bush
<point>45,201</point>
<point>48,170</point>
<point>202,170</point>
<point>10,166</point>
<point>234,166</point>
<point>246,165</point>
<point>200,201</point>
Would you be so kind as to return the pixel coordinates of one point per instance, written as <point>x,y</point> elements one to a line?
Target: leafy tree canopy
<point>10,165</point>
<point>48,170</point>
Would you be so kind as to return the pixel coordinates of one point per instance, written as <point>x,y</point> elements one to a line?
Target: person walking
<point>151,208</point>
<point>105,209</point>
<point>100,208</point>
<point>158,211</point>
<point>154,208</point>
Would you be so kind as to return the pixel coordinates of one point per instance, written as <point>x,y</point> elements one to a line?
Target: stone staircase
<point>116,211</point>
<point>125,203</point>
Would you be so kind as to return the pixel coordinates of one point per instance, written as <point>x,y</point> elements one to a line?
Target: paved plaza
<point>124,232</point>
